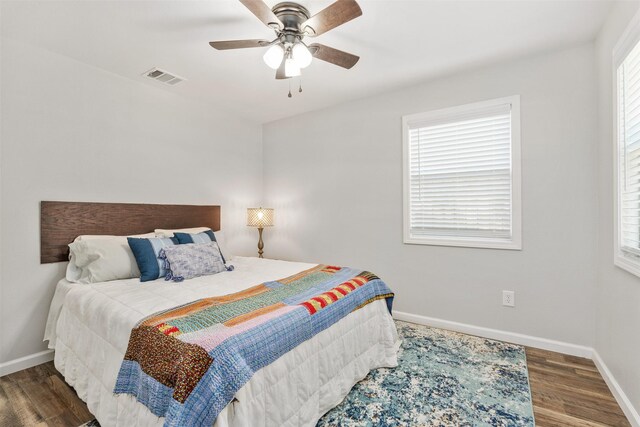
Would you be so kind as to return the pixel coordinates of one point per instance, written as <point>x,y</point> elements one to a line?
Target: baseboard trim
<point>25,362</point>
<point>496,334</point>
<point>622,399</point>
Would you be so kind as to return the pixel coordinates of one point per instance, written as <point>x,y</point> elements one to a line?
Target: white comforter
<point>89,327</point>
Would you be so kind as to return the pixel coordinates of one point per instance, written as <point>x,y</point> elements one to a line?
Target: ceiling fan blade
<point>334,15</point>
<point>263,13</point>
<point>280,75</point>
<point>334,56</point>
<point>238,44</point>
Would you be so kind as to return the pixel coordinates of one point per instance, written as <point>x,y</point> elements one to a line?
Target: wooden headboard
<point>61,222</point>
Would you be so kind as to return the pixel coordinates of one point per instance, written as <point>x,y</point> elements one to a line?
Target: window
<point>462,176</point>
<point>627,159</point>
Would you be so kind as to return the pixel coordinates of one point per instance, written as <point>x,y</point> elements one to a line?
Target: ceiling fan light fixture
<point>292,22</point>
<point>291,68</point>
<point>273,56</point>
<point>301,55</point>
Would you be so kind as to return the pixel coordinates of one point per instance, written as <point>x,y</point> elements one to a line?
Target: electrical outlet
<point>509,298</point>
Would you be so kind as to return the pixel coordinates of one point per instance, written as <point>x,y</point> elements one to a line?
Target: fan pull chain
<point>289,89</point>
<point>300,83</point>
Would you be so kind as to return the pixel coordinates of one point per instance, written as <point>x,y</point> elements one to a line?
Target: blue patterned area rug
<point>443,378</point>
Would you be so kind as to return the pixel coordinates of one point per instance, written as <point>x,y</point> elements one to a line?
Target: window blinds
<point>629,152</point>
<point>460,175</point>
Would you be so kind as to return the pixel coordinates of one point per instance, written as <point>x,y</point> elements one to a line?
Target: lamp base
<point>260,243</point>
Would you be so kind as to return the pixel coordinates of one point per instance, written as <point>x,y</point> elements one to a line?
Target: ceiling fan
<point>288,53</point>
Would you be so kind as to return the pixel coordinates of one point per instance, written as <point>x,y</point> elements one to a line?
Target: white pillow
<point>161,232</point>
<point>222,244</point>
<point>108,237</point>
<point>101,260</point>
<point>75,273</point>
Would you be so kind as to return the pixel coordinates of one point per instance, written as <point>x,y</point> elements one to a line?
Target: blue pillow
<point>146,252</point>
<point>204,237</point>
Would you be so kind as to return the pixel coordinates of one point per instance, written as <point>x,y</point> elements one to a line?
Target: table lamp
<point>260,217</point>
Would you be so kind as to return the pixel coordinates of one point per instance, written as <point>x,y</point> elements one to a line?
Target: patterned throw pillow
<point>204,237</point>
<point>192,260</point>
<point>146,252</point>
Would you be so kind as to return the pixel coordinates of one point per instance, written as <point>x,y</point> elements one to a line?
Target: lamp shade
<point>291,68</point>
<point>301,55</point>
<point>260,217</point>
<point>273,56</point>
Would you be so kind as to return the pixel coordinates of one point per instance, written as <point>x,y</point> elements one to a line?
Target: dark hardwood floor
<point>566,391</point>
<point>569,391</point>
<point>39,396</point>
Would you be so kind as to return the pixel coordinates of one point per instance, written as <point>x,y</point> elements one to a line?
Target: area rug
<point>443,379</point>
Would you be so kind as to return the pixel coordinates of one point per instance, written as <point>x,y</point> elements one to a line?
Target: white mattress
<point>89,327</point>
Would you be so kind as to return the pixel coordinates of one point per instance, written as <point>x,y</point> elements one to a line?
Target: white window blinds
<point>629,152</point>
<point>459,173</point>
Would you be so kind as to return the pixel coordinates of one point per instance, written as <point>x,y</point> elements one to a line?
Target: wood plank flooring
<point>39,396</point>
<point>569,391</point>
<point>566,391</point>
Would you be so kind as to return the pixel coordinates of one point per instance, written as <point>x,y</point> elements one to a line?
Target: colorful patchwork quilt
<point>187,363</point>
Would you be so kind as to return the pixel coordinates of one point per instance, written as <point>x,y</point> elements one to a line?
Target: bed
<point>89,327</point>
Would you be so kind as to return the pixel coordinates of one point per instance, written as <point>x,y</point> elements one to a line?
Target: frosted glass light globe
<point>291,69</point>
<point>301,55</point>
<point>273,56</point>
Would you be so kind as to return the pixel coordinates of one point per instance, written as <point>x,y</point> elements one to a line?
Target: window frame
<point>627,42</point>
<point>515,242</point>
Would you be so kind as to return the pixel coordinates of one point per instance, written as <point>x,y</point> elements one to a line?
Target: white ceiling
<point>399,42</point>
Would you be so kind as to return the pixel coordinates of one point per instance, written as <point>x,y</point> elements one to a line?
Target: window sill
<point>627,264</point>
<point>467,243</point>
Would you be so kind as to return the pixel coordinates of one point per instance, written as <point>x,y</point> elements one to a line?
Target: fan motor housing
<point>292,15</point>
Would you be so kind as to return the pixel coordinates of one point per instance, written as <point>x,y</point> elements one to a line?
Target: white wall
<point>74,132</point>
<point>335,179</point>
<point>618,308</point>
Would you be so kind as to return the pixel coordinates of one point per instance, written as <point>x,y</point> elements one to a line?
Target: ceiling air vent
<point>163,77</point>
